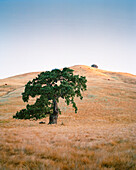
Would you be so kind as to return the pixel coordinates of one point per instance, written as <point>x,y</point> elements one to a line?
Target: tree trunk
<point>54,116</point>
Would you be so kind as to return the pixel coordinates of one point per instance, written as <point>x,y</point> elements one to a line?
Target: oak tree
<point>48,87</point>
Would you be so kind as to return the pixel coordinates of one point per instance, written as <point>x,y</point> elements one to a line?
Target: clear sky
<point>40,35</point>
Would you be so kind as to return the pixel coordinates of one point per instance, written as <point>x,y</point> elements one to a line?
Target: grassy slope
<point>102,135</point>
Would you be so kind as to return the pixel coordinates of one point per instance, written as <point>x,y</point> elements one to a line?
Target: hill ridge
<point>75,67</point>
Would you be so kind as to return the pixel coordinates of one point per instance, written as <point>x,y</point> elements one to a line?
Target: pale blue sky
<point>40,35</point>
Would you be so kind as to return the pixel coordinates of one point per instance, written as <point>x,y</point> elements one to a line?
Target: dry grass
<point>27,145</point>
<point>102,135</point>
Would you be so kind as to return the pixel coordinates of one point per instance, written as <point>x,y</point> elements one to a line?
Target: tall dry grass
<point>28,145</point>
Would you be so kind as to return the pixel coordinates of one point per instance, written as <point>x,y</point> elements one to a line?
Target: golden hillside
<point>102,135</point>
<point>108,93</point>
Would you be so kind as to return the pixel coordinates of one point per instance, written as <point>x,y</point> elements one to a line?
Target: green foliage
<point>50,86</point>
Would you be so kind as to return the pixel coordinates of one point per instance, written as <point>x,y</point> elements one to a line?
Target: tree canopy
<point>48,87</point>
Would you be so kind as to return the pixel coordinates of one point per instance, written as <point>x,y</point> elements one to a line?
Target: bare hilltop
<point>102,135</point>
